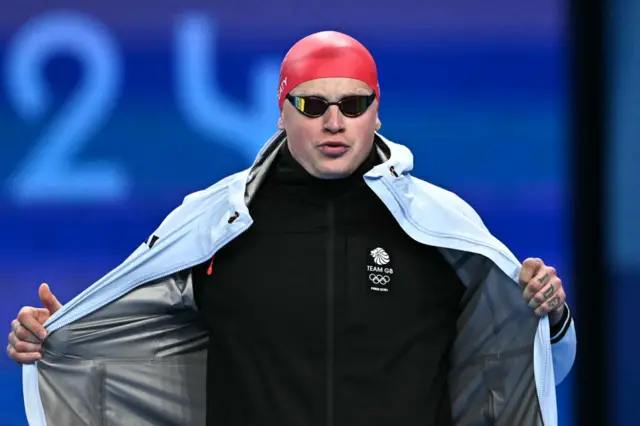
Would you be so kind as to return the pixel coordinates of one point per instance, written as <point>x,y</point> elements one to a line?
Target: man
<point>323,286</point>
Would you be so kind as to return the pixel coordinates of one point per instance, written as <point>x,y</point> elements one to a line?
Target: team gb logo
<point>380,257</point>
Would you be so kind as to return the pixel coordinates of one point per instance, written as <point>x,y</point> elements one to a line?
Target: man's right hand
<point>27,332</point>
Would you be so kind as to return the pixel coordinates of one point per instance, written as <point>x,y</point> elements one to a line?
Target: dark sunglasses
<point>314,106</point>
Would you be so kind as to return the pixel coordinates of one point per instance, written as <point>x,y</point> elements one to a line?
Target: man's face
<point>331,146</point>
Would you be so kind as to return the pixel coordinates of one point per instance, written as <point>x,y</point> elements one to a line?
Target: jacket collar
<point>395,158</point>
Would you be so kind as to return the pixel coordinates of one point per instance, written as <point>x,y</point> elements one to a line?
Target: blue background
<point>623,199</point>
<point>110,115</point>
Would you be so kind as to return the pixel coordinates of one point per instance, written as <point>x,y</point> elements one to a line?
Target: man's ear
<point>280,123</point>
<point>378,124</point>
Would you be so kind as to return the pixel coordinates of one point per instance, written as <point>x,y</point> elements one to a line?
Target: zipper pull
<point>233,218</point>
<point>210,270</point>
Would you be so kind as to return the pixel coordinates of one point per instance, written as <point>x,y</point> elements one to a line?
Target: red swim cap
<point>326,54</point>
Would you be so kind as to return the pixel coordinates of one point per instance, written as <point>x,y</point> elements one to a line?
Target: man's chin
<point>334,173</point>
<point>334,168</point>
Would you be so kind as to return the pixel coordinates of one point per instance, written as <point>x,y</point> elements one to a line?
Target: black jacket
<point>325,312</point>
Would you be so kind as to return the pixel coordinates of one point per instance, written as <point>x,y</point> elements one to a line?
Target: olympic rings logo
<point>379,279</point>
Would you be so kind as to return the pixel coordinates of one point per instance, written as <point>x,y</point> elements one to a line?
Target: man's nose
<point>333,119</point>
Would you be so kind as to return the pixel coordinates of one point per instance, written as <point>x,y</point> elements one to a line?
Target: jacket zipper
<point>331,238</point>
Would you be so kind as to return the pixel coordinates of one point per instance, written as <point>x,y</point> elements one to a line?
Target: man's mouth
<point>333,148</point>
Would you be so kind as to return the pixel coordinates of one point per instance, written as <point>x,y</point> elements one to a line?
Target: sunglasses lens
<point>313,107</point>
<point>354,106</point>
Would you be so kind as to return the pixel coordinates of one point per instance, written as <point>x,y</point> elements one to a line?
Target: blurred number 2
<point>49,172</point>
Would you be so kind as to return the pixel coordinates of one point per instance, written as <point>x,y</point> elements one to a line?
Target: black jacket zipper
<point>331,242</point>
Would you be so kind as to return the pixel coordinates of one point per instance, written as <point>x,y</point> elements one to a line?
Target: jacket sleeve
<point>563,345</point>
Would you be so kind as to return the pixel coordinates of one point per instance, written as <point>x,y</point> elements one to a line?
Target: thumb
<point>48,299</point>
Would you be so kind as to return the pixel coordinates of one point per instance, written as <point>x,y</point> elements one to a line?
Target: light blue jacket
<point>131,346</point>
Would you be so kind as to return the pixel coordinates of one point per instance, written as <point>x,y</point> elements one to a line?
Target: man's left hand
<point>543,289</point>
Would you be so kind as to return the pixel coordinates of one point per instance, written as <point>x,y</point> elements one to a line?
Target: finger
<point>25,347</point>
<point>552,304</point>
<point>28,319</point>
<point>545,292</point>
<point>22,346</point>
<point>538,282</point>
<point>23,358</point>
<point>49,301</point>
<point>22,333</point>
<point>529,269</point>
